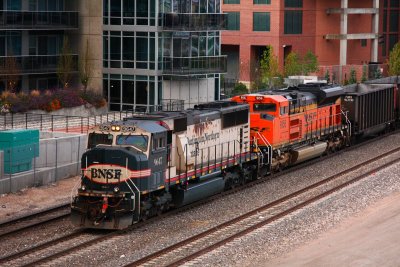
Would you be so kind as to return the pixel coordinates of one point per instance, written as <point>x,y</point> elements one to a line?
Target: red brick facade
<point>316,23</point>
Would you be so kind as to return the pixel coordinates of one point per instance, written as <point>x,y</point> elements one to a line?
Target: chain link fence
<point>55,157</point>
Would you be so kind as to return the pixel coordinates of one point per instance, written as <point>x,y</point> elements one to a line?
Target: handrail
<point>347,120</point>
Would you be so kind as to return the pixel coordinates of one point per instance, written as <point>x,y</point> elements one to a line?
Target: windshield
<point>264,107</point>
<point>99,139</point>
<point>138,141</point>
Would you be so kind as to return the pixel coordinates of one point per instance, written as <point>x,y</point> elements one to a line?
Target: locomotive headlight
<point>83,188</point>
<point>116,189</point>
<point>115,128</point>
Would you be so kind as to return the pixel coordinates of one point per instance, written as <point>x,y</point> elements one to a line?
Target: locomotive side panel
<point>212,141</point>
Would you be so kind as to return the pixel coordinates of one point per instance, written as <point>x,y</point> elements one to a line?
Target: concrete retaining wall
<point>1,164</point>
<point>59,158</point>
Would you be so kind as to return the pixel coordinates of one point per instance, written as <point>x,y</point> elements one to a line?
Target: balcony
<point>38,20</point>
<point>194,65</point>
<point>32,64</point>
<point>193,22</point>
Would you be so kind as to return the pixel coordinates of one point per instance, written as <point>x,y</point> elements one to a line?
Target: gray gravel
<point>305,225</point>
<point>280,238</point>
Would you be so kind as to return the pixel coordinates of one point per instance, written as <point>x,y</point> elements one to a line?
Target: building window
<point>233,21</point>
<point>262,2</point>
<point>231,1</point>
<point>393,39</point>
<point>394,21</point>
<point>293,3</point>
<point>293,22</point>
<point>261,21</point>
<point>139,12</point>
<point>394,3</point>
<point>363,42</point>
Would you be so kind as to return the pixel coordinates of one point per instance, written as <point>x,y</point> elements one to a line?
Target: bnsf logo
<point>111,173</point>
<point>106,173</point>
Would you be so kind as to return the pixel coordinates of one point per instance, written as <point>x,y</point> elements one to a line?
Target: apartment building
<point>31,39</point>
<point>156,51</point>
<point>339,32</point>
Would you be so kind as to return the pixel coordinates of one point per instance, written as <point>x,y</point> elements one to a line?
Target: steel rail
<point>191,206</point>
<point>19,224</point>
<point>151,258</point>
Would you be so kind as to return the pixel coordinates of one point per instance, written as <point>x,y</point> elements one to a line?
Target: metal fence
<point>41,163</point>
<point>61,123</point>
<point>76,124</point>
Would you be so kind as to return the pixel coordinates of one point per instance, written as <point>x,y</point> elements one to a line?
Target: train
<point>144,165</point>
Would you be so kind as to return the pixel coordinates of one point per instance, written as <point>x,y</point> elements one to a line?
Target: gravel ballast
<point>270,242</point>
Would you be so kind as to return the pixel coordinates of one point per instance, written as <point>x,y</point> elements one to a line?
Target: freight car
<point>372,108</point>
<point>143,165</point>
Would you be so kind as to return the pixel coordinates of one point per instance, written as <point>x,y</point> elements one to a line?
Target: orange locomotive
<point>295,124</point>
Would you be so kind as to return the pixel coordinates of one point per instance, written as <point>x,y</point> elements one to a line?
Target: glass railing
<point>194,65</point>
<point>14,20</point>
<point>32,64</point>
<point>193,22</point>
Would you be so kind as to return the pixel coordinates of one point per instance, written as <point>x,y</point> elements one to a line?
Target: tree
<point>364,76</point>
<point>310,63</point>
<point>65,64</point>
<point>85,70</point>
<point>353,76</point>
<point>240,89</point>
<point>269,67</point>
<point>292,64</point>
<point>10,72</point>
<point>394,61</point>
<point>327,76</point>
<point>333,77</point>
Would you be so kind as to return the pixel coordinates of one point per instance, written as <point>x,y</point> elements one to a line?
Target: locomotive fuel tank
<point>308,152</point>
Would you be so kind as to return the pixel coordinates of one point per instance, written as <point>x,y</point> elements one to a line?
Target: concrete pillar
<point>90,35</point>
<point>25,52</point>
<point>375,30</point>
<point>343,31</point>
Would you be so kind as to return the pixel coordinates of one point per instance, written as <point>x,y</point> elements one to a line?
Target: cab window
<point>284,110</point>
<point>158,143</point>
<point>138,141</point>
<point>99,139</point>
<point>264,107</point>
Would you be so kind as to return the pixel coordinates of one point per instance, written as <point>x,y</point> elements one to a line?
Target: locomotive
<point>143,165</point>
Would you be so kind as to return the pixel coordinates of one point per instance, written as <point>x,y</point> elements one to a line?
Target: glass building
<point>158,50</point>
<point>31,36</point>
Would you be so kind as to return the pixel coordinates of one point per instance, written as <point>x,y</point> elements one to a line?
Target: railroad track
<point>200,244</point>
<point>32,220</point>
<point>82,239</point>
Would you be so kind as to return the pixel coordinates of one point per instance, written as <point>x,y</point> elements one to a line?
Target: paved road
<point>371,239</point>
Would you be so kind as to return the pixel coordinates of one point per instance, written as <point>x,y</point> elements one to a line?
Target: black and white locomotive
<point>141,166</point>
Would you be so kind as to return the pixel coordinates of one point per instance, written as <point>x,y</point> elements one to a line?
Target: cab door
<point>158,160</point>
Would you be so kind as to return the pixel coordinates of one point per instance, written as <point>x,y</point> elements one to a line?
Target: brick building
<point>339,32</point>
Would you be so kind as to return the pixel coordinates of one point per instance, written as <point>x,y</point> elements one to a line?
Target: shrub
<point>49,100</point>
<point>93,98</point>
<point>239,89</point>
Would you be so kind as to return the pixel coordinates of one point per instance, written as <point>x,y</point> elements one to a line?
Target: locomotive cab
<point>266,112</point>
<point>122,164</point>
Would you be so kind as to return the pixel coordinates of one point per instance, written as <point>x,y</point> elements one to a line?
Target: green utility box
<point>20,147</point>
